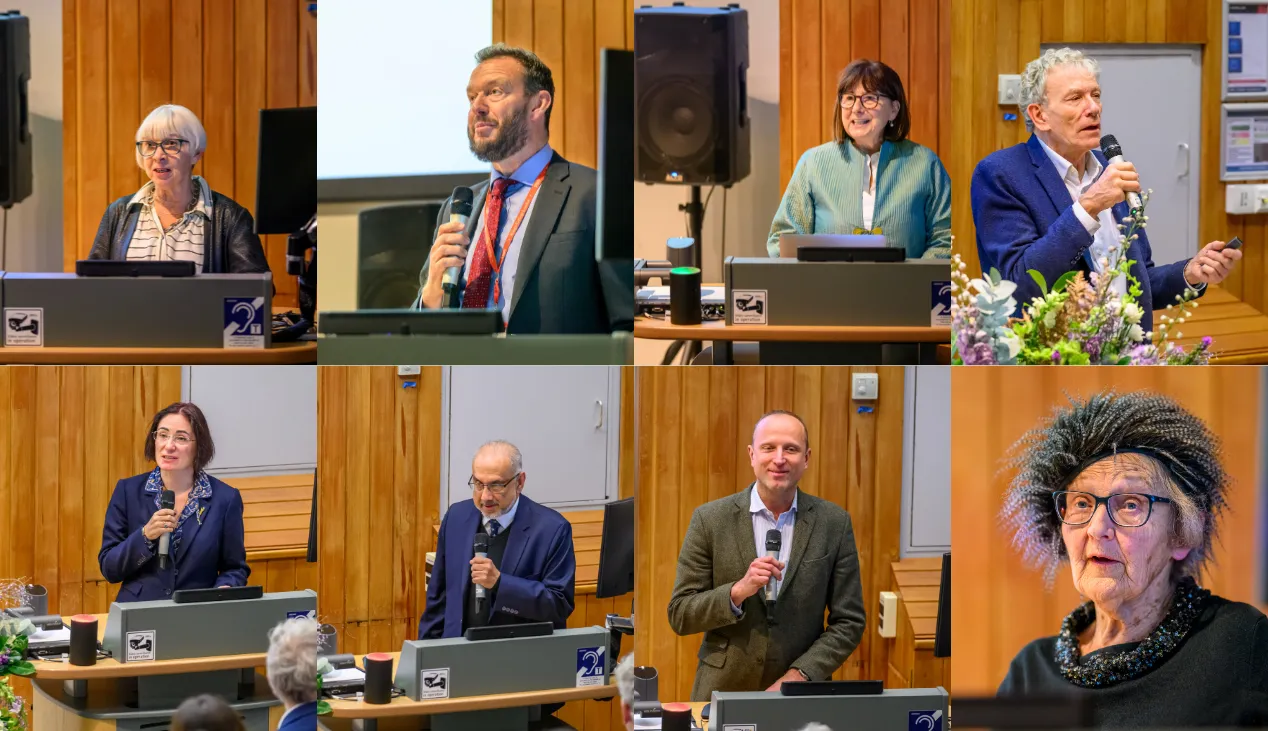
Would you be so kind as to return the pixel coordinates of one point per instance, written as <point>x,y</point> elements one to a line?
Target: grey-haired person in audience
<point>292,671</point>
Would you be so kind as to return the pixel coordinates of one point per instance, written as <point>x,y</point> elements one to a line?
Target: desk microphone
<point>481,551</point>
<point>1114,153</point>
<point>167,502</point>
<point>774,540</point>
<point>459,212</point>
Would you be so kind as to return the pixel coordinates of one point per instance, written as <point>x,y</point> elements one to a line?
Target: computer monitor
<point>616,551</point>
<point>614,240</point>
<point>286,171</point>
<point>942,633</point>
<point>312,525</point>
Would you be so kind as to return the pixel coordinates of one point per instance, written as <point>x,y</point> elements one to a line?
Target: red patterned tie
<point>481,277</point>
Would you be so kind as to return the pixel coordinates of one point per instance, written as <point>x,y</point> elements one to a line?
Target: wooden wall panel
<point>379,451</point>
<point>1000,36</point>
<point>819,38</point>
<point>994,407</point>
<point>224,59</point>
<point>67,435</point>
<point>693,427</point>
<point>569,36</point>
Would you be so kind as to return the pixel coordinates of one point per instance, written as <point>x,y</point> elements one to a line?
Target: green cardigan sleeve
<point>938,212</point>
<point>795,214</point>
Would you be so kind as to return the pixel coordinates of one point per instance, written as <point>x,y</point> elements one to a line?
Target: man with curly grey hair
<point>1054,204</point>
<point>1127,489</point>
<point>292,671</point>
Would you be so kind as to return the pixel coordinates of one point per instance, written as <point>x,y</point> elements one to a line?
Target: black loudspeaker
<point>15,125</point>
<point>690,82</point>
<point>378,678</point>
<point>83,639</point>
<point>393,243</point>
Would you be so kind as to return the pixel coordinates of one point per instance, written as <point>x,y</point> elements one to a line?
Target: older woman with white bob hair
<point>177,216</point>
<point>1126,489</point>
<point>292,669</point>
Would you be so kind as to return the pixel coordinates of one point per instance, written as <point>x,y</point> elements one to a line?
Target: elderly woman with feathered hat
<point>1127,489</point>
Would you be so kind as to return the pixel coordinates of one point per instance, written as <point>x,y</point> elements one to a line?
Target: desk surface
<point>654,329</point>
<point>279,354</point>
<point>111,668</point>
<point>403,706</point>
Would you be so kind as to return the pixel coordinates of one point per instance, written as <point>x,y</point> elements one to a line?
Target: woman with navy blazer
<point>207,547</point>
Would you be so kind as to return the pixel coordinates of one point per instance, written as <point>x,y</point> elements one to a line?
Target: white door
<point>926,520</point>
<point>564,419</point>
<point>1152,99</point>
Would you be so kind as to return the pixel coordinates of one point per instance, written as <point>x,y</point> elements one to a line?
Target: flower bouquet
<point>323,705</point>
<point>1080,320</point>
<point>13,642</point>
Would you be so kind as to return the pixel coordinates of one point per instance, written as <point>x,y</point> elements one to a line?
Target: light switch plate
<point>1009,89</point>
<point>408,370</point>
<point>865,386</point>
<point>888,625</point>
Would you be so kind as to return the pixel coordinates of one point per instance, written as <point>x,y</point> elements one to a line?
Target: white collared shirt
<point>1103,228</point>
<point>184,241</point>
<point>764,520</point>
<point>869,192</point>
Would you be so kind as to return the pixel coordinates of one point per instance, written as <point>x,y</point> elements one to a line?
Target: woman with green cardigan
<point>871,179</point>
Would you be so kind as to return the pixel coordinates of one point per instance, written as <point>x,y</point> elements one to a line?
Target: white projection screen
<point>392,82</point>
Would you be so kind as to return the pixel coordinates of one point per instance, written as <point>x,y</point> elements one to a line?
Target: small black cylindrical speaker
<point>83,639</point>
<point>684,296</point>
<point>679,251</point>
<point>378,678</point>
<point>675,717</point>
<point>36,598</point>
<point>646,683</point>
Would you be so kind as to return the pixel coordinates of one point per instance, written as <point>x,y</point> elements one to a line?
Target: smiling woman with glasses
<point>176,215</point>
<point>1127,490</point>
<point>204,529</point>
<point>870,179</point>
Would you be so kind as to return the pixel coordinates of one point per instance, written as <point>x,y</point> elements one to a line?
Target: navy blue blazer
<point>210,552</point>
<point>1025,220</point>
<point>301,718</point>
<point>538,570</point>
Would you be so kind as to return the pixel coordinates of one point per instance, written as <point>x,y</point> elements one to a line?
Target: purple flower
<point>1056,357</point>
<point>1206,341</point>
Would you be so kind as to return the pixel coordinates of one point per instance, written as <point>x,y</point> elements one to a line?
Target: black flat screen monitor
<point>616,551</point>
<point>942,632</point>
<point>286,170</point>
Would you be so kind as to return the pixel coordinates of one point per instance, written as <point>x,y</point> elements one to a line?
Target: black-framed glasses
<point>497,488</point>
<point>181,438</point>
<point>147,148</point>
<point>870,101</point>
<point>1126,509</point>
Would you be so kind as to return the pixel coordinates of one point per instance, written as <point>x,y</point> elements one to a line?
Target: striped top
<point>913,197</point>
<point>183,241</point>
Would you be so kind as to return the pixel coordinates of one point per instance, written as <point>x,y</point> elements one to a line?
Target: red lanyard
<point>496,263</point>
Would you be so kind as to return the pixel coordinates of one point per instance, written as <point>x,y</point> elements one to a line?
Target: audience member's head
<point>292,662</point>
<point>206,713</point>
<point>625,683</point>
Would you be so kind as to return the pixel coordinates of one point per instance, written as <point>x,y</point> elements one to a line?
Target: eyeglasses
<point>147,148</point>
<point>181,439</point>
<point>1126,509</point>
<point>497,488</point>
<point>870,101</point>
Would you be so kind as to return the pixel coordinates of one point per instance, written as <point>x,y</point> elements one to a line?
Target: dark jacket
<point>210,553</point>
<point>748,653</point>
<point>1217,677</point>
<point>559,287</point>
<point>1025,220</point>
<point>538,571</point>
<point>231,244</point>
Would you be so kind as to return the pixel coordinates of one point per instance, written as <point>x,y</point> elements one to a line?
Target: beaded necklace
<point>1102,671</point>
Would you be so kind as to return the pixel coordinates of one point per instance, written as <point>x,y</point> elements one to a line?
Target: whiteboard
<point>263,419</point>
<point>566,421</point>
<point>926,516</point>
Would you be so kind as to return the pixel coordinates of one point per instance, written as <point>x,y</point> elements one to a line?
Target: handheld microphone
<point>459,211</point>
<point>481,551</point>
<point>167,502</point>
<point>1114,153</point>
<point>774,540</point>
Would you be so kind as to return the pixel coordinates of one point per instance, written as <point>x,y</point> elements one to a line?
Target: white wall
<point>34,241</point>
<point>751,203</point>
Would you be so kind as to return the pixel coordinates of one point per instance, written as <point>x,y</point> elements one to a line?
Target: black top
<point>497,549</point>
<point>231,244</point>
<point>1218,676</point>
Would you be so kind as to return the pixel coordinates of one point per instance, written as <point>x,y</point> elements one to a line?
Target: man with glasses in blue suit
<point>529,570</point>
